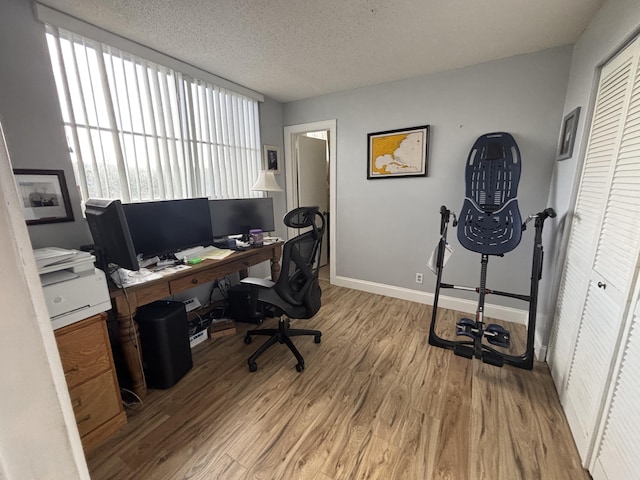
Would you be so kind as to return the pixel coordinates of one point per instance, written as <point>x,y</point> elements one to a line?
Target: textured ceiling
<point>294,49</point>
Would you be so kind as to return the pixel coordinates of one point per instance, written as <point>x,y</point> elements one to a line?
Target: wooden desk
<point>126,301</point>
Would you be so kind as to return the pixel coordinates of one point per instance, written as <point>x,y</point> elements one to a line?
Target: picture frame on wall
<point>398,153</point>
<point>568,134</point>
<point>272,159</point>
<point>44,196</point>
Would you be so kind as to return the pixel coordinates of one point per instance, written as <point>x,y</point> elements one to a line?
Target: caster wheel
<point>299,367</point>
<point>253,367</point>
<point>247,339</point>
<point>316,339</point>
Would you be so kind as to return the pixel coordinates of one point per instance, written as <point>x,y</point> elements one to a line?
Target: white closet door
<point>587,216</point>
<point>617,458</point>
<point>611,178</point>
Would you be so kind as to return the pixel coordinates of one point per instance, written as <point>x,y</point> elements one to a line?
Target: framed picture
<point>272,158</point>
<point>44,195</point>
<point>398,153</point>
<point>568,134</point>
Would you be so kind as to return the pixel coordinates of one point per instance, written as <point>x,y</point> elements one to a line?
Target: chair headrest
<point>301,217</point>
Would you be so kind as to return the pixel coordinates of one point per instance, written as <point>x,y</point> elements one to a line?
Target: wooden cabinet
<point>88,366</point>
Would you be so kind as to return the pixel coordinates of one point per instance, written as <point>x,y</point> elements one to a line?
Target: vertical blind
<point>140,131</point>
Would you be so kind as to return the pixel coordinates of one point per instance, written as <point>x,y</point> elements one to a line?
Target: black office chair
<point>296,294</point>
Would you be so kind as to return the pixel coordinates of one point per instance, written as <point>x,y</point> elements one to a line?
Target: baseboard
<point>468,306</point>
<point>498,312</point>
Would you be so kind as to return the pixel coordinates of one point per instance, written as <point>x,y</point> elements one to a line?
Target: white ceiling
<point>294,49</point>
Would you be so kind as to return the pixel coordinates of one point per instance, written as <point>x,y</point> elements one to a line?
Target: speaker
<point>243,304</point>
<point>164,338</point>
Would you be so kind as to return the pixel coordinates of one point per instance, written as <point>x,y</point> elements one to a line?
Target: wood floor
<point>375,401</point>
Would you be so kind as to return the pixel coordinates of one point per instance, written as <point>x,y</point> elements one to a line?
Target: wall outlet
<point>419,277</point>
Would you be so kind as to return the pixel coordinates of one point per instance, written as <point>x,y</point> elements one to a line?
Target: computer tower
<point>164,338</point>
<point>243,304</point>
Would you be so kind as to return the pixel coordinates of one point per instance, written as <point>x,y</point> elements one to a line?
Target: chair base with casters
<point>282,335</point>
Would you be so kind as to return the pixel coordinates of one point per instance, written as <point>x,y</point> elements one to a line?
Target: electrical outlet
<point>419,278</point>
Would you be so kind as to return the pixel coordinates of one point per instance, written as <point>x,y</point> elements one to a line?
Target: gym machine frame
<point>491,227</point>
<point>476,348</point>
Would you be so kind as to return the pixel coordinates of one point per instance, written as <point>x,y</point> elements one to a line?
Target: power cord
<point>137,405</point>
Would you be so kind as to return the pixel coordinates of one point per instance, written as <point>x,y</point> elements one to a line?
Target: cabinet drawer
<point>95,402</point>
<point>83,350</point>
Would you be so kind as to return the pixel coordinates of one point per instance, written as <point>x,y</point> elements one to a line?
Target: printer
<point>73,288</point>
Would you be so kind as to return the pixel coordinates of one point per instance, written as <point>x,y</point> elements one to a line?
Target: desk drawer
<point>83,350</point>
<point>95,402</point>
<point>208,275</point>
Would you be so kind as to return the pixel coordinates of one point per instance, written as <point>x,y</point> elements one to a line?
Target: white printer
<point>73,288</point>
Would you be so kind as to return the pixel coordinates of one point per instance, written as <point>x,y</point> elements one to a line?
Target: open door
<point>313,180</point>
<point>291,135</point>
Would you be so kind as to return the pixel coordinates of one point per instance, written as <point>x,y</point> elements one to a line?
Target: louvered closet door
<point>587,217</point>
<point>617,457</point>
<point>614,162</point>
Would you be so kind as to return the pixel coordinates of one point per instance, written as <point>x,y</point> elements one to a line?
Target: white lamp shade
<point>266,182</point>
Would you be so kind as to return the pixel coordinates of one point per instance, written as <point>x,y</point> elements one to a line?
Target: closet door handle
<point>602,285</point>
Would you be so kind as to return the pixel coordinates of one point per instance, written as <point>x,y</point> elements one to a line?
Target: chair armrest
<point>260,282</point>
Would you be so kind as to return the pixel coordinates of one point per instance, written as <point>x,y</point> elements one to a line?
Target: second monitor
<point>239,215</point>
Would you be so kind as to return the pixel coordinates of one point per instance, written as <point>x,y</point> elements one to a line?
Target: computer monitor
<point>110,232</point>
<point>167,226</point>
<point>239,215</point>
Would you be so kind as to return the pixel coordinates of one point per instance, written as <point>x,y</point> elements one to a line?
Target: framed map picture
<point>398,153</point>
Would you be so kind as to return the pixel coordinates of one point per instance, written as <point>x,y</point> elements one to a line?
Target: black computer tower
<point>164,338</point>
<point>244,305</point>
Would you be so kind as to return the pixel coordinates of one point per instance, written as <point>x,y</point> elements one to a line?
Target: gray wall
<point>615,24</point>
<point>386,229</point>
<point>30,115</point>
<point>271,130</point>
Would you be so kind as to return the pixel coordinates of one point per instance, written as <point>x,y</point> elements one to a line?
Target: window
<point>140,131</point>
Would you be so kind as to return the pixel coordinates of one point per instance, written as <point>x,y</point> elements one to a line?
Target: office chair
<point>296,294</point>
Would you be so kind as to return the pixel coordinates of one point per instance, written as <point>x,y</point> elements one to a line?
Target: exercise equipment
<point>490,224</point>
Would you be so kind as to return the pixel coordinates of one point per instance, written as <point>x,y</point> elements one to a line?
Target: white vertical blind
<point>141,131</point>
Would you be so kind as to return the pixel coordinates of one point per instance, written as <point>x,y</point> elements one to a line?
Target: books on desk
<point>204,253</point>
<point>217,254</point>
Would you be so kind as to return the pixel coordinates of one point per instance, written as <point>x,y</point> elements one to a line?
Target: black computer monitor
<point>239,215</point>
<point>110,232</point>
<point>167,226</point>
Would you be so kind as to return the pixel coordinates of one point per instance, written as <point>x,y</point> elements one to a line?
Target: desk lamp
<point>266,182</point>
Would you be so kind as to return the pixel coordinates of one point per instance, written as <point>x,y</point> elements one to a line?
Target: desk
<point>126,301</point>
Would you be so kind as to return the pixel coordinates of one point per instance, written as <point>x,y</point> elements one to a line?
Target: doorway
<point>303,180</point>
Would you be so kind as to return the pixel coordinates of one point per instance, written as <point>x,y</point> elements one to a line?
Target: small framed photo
<point>44,195</point>
<point>272,158</point>
<point>568,134</point>
<point>398,153</point>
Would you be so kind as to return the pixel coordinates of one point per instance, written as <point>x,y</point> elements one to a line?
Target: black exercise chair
<point>490,224</point>
<point>296,294</point>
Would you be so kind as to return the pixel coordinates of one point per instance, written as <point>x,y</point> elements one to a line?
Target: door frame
<point>291,175</point>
